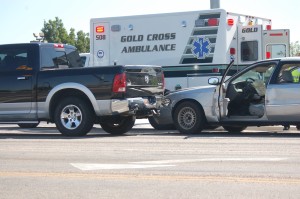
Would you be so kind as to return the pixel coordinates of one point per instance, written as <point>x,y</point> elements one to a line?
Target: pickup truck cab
<point>47,82</point>
<point>265,93</point>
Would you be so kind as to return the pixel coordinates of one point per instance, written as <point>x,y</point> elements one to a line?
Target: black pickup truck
<point>47,82</point>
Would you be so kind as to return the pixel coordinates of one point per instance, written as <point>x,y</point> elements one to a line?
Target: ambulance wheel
<point>118,125</point>
<point>234,129</point>
<point>189,118</point>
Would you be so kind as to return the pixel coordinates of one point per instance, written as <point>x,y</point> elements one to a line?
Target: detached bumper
<point>165,116</point>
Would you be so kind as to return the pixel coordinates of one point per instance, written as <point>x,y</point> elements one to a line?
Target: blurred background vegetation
<point>55,32</point>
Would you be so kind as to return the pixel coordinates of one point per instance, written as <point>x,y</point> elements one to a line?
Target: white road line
<point>166,163</point>
<point>265,159</point>
<point>89,167</point>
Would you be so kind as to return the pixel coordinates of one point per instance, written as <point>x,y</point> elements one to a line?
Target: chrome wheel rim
<point>71,117</point>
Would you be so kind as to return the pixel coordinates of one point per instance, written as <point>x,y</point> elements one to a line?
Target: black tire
<point>298,127</point>
<point>154,123</point>
<point>118,126</point>
<point>234,129</point>
<point>189,118</point>
<point>28,125</point>
<point>74,117</point>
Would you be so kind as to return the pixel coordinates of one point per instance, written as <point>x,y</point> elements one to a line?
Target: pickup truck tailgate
<point>144,81</point>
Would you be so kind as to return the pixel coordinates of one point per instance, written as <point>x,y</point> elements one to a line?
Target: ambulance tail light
<point>100,29</point>
<point>232,51</point>
<point>215,70</point>
<point>269,27</point>
<point>213,22</point>
<point>268,55</point>
<point>119,85</point>
<point>230,22</point>
<point>276,34</point>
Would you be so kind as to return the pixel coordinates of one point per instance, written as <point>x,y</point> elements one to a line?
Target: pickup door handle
<point>22,78</point>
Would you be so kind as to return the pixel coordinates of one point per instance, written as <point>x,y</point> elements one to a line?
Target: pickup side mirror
<point>213,81</point>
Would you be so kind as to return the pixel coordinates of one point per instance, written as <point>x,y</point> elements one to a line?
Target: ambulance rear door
<point>249,44</point>
<point>100,46</point>
<point>276,43</point>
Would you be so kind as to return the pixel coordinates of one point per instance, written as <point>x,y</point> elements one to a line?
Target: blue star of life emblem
<point>201,47</point>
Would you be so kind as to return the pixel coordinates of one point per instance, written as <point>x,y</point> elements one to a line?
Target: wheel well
<point>67,93</point>
<point>189,100</point>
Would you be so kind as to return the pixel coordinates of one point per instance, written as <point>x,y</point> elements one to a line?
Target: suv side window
<point>12,59</point>
<point>261,72</point>
<point>289,73</point>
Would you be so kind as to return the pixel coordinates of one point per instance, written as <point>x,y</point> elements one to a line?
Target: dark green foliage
<point>55,32</point>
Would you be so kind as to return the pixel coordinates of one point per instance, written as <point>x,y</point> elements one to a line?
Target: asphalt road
<point>145,163</point>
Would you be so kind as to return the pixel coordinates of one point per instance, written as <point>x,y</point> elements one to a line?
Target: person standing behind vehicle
<point>296,75</point>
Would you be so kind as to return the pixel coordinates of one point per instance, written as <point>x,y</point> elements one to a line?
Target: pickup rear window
<point>60,58</point>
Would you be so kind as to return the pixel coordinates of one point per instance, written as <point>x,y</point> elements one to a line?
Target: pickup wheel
<point>28,125</point>
<point>118,126</point>
<point>234,129</point>
<point>155,124</point>
<point>73,117</point>
<point>189,118</point>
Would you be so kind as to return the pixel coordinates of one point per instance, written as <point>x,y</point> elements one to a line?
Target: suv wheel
<point>189,118</point>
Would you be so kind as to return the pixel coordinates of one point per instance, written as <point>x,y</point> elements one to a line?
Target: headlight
<point>166,102</point>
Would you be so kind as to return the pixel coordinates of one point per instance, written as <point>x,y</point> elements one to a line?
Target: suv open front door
<point>249,44</point>
<point>220,93</point>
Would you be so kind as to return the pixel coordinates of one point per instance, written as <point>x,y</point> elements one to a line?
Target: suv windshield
<point>260,72</point>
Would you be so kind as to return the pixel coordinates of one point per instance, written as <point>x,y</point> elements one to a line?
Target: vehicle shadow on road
<point>220,133</point>
<point>14,132</point>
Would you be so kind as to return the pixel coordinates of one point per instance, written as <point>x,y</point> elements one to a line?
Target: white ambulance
<point>190,46</point>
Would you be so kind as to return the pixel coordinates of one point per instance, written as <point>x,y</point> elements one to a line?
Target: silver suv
<point>265,93</point>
